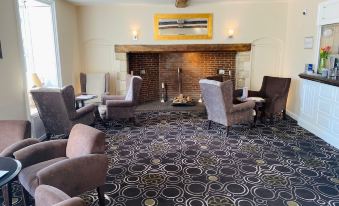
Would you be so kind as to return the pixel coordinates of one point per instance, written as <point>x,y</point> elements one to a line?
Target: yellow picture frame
<point>159,17</point>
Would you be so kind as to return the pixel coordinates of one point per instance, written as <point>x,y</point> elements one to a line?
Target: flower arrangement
<point>324,52</point>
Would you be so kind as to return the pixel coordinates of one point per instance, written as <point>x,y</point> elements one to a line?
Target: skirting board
<point>332,140</point>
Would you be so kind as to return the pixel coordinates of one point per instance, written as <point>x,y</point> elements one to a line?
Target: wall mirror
<point>183,26</point>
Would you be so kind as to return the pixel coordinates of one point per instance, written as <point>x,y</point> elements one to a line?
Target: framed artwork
<point>183,26</point>
<point>308,42</point>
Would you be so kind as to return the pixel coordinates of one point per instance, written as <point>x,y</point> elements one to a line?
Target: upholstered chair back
<point>272,86</point>
<point>12,131</point>
<point>85,140</point>
<point>218,98</point>
<point>56,107</point>
<point>133,88</point>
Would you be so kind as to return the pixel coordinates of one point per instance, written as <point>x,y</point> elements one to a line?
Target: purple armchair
<point>124,106</point>
<point>65,164</point>
<point>57,111</point>
<point>218,99</point>
<point>46,195</point>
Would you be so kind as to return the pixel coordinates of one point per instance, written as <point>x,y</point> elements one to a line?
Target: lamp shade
<point>36,80</point>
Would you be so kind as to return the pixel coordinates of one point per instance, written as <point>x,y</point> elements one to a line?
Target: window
<point>40,45</point>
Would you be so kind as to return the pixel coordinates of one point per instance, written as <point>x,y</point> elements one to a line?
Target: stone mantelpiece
<point>242,59</point>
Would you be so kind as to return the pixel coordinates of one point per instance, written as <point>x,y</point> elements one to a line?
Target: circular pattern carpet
<point>171,158</point>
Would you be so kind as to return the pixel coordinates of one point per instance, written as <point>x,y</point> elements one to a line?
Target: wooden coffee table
<point>13,167</point>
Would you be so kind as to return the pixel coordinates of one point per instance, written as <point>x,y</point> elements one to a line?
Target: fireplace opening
<point>179,73</point>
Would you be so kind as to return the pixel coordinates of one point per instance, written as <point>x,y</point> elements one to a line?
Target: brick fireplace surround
<point>161,65</point>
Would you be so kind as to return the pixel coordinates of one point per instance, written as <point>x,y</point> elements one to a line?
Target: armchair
<point>65,164</point>
<point>95,83</point>
<point>124,106</point>
<point>46,195</point>
<point>218,99</point>
<point>275,92</point>
<point>14,135</point>
<point>57,111</point>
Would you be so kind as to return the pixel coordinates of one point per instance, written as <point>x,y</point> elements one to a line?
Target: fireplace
<point>160,65</point>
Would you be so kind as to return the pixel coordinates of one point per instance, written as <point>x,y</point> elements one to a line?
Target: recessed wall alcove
<point>160,63</point>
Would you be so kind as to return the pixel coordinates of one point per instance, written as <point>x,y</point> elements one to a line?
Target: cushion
<point>85,140</point>
<point>28,176</point>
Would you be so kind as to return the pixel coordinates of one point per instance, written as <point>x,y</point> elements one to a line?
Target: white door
<point>266,60</point>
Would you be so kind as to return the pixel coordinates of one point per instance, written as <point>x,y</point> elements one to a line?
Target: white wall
<point>103,26</point>
<point>12,98</point>
<point>67,22</point>
<point>298,27</point>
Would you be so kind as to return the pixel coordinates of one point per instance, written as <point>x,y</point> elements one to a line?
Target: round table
<point>13,167</point>
<point>258,107</point>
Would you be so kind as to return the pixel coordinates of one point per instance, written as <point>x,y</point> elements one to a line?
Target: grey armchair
<point>57,111</point>
<point>65,164</point>
<point>124,106</point>
<point>46,195</point>
<point>14,135</point>
<point>218,99</point>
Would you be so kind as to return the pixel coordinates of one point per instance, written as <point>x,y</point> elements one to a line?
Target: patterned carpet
<point>172,159</point>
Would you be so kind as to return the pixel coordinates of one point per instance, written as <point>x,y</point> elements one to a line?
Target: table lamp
<point>36,81</point>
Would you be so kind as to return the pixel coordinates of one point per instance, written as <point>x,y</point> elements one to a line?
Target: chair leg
<point>209,124</point>
<point>7,194</point>
<point>25,196</point>
<point>101,196</point>
<point>271,119</point>
<point>227,130</point>
<point>284,114</point>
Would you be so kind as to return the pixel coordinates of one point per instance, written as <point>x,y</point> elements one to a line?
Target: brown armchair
<point>124,106</point>
<point>65,164</point>
<point>46,195</point>
<point>275,92</point>
<point>218,99</point>
<point>14,135</point>
<point>57,111</point>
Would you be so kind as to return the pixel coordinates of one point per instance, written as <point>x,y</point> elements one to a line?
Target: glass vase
<point>322,65</point>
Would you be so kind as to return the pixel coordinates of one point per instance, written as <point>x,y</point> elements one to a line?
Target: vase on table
<point>322,65</point>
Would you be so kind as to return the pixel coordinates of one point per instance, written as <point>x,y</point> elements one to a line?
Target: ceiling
<point>160,2</point>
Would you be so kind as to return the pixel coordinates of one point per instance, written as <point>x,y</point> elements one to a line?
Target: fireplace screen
<point>182,26</point>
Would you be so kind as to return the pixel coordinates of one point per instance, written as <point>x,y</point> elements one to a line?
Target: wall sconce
<point>135,35</point>
<point>230,33</point>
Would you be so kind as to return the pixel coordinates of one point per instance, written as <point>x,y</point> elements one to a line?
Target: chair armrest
<point>243,106</point>
<point>75,201</point>
<point>40,152</point>
<point>119,103</point>
<point>8,151</point>
<point>111,97</point>
<point>84,110</point>
<point>76,175</point>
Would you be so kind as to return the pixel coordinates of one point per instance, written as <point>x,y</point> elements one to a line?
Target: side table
<point>82,98</point>
<point>13,167</point>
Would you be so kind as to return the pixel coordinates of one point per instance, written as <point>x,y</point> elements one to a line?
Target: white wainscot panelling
<point>328,12</point>
<point>309,89</point>
<point>320,110</point>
